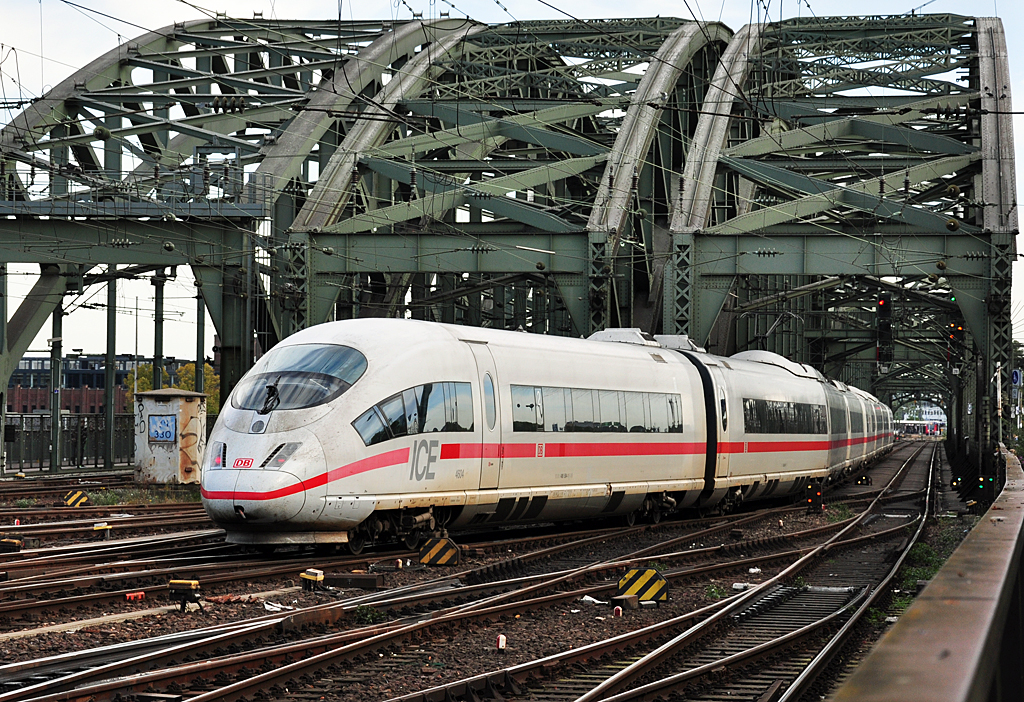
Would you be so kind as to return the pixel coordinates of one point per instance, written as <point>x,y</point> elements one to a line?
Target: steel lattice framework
<point>756,190</point>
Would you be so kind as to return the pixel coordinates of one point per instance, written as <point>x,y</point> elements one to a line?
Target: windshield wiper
<point>273,399</point>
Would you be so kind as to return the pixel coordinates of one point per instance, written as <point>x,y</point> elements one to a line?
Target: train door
<point>722,425</point>
<point>490,424</point>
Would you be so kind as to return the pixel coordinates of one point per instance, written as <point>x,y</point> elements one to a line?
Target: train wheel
<point>412,540</point>
<point>629,519</point>
<point>356,543</point>
<point>654,516</point>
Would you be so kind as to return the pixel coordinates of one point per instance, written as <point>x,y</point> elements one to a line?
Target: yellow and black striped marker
<point>648,585</point>
<point>10,545</point>
<point>440,552</point>
<point>76,498</point>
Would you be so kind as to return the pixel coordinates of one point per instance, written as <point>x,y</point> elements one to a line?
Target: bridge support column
<point>56,358</point>
<point>110,372</point>
<point>159,278</point>
<point>200,383</point>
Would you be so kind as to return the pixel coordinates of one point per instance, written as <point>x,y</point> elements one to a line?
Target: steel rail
<point>234,634</point>
<point>821,661</point>
<point>624,677</point>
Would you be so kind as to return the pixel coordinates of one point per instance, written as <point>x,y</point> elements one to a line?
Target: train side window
<point>608,400</point>
<point>659,413</point>
<point>524,409</point>
<point>634,402</point>
<point>371,428</point>
<point>430,407</point>
<point>490,405</point>
<point>583,418</point>
<point>675,407</point>
<point>460,405</point>
<point>412,422</point>
<point>556,413</point>
<point>393,410</point>
<point>724,408</point>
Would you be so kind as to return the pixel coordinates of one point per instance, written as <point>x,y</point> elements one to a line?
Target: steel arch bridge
<point>757,189</point>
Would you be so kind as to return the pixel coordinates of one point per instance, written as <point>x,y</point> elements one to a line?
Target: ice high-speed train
<point>388,429</point>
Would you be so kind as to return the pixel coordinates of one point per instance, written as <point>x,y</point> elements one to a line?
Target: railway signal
<point>883,328</point>
<point>815,503</point>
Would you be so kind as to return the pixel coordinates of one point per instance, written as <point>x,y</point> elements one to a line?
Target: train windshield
<point>295,377</point>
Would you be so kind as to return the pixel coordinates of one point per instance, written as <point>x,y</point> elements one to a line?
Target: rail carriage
<point>386,429</point>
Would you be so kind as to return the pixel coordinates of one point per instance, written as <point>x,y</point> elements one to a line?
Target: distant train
<point>376,430</point>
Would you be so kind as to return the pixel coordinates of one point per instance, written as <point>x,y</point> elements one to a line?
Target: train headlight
<point>218,455</point>
<point>280,455</point>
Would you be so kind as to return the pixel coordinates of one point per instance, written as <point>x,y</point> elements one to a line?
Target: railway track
<point>306,645</point>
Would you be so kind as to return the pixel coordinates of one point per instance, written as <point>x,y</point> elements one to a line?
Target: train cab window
<point>490,404</point>
<point>371,427</point>
<point>525,412</point>
<point>298,376</point>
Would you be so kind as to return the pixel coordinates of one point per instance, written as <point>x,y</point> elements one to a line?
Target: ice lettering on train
<point>420,468</point>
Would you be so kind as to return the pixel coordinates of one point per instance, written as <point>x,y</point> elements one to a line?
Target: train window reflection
<point>430,404</point>
<point>299,376</point>
<point>583,410</point>
<point>371,428</point>
<point>524,409</point>
<point>556,409</point>
<point>659,412</point>
<point>634,402</point>
<point>608,400</point>
<point>460,400</point>
<point>412,422</point>
<point>583,416</point>
<point>425,408</point>
<point>393,410</point>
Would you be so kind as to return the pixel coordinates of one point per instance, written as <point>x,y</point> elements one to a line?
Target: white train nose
<point>252,496</point>
<point>267,496</point>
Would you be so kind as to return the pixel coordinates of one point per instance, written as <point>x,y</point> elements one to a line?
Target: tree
<point>145,382</point>
<point>186,380</point>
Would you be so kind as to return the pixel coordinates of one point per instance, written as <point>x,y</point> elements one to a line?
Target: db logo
<point>243,463</point>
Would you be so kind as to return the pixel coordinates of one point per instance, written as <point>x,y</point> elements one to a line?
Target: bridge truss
<point>760,189</point>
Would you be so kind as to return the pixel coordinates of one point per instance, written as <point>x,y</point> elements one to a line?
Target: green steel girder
<point>746,190</point>
<point>825,196</point>
<point>885,128</point>
<point>530,128</point>
<point>489,194</point>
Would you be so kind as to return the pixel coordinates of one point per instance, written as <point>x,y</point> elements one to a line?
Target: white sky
<point>53,38</point>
